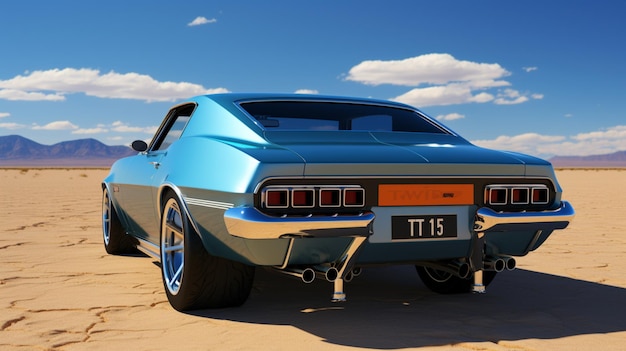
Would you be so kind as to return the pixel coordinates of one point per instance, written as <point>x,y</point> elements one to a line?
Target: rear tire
<point>192,278</point>
<point>116,241</point>
<point>446,283</point>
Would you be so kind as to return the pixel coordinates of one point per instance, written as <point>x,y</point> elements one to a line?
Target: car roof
<point>229,98</point>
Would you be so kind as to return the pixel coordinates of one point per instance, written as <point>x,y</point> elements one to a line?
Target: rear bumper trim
<point>250,223</point>
<point>488,220</point>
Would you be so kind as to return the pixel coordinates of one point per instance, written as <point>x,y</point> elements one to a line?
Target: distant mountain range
<point>616,159</point>
<point>18,151</point>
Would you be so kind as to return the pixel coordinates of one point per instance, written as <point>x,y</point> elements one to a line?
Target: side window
<point>173,127</point>
<point>174,132</point>
<point>377,123</point>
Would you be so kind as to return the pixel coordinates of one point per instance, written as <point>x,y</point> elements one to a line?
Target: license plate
<point>423,227</point>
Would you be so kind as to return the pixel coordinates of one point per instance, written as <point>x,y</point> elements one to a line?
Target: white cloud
<point>424,69</point>
<point>613,133</point>
<point>529,143</point>
<point>307,91</point>
<point>122,127</point>
<point>37,85</point>
<point>96,130</point>
<point>117,126</point>
<point>450,117</point>
<point>584,144</point>
<point>530,69</point>
<point>19,95</point>
<point>4,114</point>
<point>514,142</point>
<point>442,95</point>
<point>510,97</point>
<point>440,79</point>
<point>11,126</point>
<point>583,148</point>
<point>513,97</point>
<point>200,20</point>
<point>57,125</point>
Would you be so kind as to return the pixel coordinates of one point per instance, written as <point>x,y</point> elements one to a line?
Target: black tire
<point>193,279</point>
<point>116,241</point>
<point>446,283</point>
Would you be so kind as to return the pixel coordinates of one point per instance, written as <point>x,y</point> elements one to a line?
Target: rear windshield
<point>324,116</point>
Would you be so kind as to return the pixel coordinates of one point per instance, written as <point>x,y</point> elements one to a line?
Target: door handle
<point>155,164</point>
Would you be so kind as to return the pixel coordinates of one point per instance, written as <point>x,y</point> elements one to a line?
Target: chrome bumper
<point>249,223</point>
<point>490,220</point>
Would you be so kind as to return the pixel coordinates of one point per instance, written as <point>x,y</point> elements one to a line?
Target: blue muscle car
<point>321,186</point>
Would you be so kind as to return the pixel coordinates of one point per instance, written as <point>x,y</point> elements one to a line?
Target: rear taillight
<point>303,198</point>
<point>330,197</point>
<point>354,197</point>
<point>540,196</point>
<point>277,198</point>
<point>298,197</point>
<point>497,196</point>
<point>517,194</point>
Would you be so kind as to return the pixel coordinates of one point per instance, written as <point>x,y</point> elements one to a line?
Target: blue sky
<point>541,77</point>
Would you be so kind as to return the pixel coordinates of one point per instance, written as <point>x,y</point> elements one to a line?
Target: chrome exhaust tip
<point>458,268</point>
<point>464,270</point>
<point>494,264</point>
<point>307,275</point>
<point>510,263</point>
<point>349,276</point>
<point>330,273</point>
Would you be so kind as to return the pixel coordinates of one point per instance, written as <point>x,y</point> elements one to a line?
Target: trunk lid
<point>394,154</point>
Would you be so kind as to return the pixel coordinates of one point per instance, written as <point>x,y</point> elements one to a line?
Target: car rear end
<point>394,193</point>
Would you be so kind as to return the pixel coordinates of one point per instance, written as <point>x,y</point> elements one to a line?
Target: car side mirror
<point>139,145</point>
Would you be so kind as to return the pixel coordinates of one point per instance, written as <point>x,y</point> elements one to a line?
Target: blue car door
<point>146,175</point>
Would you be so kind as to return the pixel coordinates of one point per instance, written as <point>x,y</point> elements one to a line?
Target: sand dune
<point>59,290</point>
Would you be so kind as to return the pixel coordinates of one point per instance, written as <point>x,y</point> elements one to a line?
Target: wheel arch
<point>163,190</point>
<point>114,205</point>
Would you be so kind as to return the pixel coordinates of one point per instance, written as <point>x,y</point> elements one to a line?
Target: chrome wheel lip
<point>172,246</point>
<point>106,217</point>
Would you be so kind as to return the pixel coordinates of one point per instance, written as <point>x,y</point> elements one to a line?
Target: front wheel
<point>194,279</point>
<point>447,283</point>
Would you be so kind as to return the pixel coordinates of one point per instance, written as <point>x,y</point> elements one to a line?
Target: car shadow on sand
<point>389,308</point>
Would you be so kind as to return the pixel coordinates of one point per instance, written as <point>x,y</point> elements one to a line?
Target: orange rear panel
<point>425,194</point>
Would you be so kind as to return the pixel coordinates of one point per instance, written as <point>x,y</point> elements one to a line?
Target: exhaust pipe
<point>349,277</point>
<point>463,269</point>
<point>352,274</point>
<point>494,264</point>
<point>458,268</point>
<point>307,274</point>
<point>330,273</point>
<point>510,262</point>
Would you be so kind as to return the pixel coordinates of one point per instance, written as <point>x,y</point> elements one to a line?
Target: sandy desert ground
<point>59,290</point>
